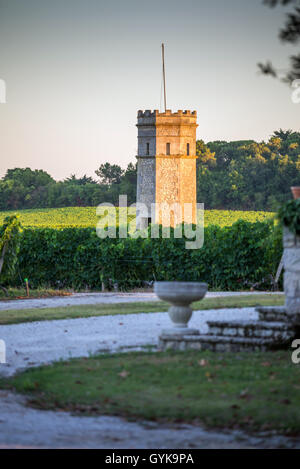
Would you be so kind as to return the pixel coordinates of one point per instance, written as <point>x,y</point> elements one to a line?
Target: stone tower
<point>166,165</point>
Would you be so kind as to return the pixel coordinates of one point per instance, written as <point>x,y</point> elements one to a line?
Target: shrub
<point>289,216</point>
<point>232,258</point>
<point>10,239</point>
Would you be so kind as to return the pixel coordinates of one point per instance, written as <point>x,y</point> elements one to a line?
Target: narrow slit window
<point>148,149</point>
<point>188,149</point>
<point>168,149</point>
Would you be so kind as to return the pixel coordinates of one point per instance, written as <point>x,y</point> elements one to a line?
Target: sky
<point>77,72</point>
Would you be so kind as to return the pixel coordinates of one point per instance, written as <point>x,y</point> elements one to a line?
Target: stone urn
<point>296,192</point>
<point>180,295</point>
<point>291,244</point>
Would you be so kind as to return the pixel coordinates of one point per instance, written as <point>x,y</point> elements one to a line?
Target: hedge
<point>232,258</point>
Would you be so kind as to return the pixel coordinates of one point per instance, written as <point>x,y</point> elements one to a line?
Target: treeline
<point>243,175</point>
<point>26,188</point>
<point>246,175</point>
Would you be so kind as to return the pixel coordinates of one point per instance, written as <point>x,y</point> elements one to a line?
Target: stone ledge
<point>276,325</point>
<point>272,313</point>
<point>218,343</point>
<point>256,329</point>
<point>179,338</point>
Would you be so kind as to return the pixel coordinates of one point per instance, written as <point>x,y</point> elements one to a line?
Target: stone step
<point>276,331</point>
<point>218,343</point>
<point>272,313</point>
<point>235,344</point>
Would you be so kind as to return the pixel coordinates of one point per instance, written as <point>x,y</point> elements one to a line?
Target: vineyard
<point>85,217</point>
<point>59,248</point>
<point>235,257</point>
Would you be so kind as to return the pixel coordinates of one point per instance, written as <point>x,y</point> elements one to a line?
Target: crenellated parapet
<point>167,118</point>
<point>168,113</point>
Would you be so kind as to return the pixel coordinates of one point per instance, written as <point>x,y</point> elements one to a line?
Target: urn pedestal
<point>180,295</point>
<point>291,244</point>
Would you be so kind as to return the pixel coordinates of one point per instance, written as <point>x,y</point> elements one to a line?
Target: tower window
<point>168,149</point>
<point>148,149</point>
<point>188,149</point>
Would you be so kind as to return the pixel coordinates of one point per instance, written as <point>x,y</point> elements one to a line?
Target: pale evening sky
<point>77,71</point>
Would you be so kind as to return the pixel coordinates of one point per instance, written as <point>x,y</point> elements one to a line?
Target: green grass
<point>86,217</point>
<point>252,391</point>
<point>69,312</point>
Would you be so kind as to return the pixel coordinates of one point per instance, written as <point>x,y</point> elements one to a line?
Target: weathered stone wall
<point>173,182</point>
<point>291,245</point>
<point>178,129</point>
<point>167,189</point>
<point>188,190</point>
<point>145,188</point>
<point>146,133</point>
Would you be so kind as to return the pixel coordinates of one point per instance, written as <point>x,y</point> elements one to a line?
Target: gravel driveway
<point>35,343</point>
<point>23,427</point>
<point>32,344</point>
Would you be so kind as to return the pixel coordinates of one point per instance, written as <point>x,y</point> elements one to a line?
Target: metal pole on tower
<point>164,74</point>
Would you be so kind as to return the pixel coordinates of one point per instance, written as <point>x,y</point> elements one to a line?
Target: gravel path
<point>35,343</point>
<point>38,343</point>
<point>96,298</point>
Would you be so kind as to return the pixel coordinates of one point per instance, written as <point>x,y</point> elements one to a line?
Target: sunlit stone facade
<point>167,166</point>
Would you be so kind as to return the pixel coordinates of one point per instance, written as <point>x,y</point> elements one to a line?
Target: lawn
<point>84,311</point>
<point>254,392</point>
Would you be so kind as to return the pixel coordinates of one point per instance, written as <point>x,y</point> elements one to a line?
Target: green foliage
<point>10,238</point>
<point>289,215</point>
<point>80,181</point>
<point>110,173</point>
<point>232,258</point>
<point>290,34</point>
<point>248,175</point>
<point>25,188</point>
<point>85,217</point>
